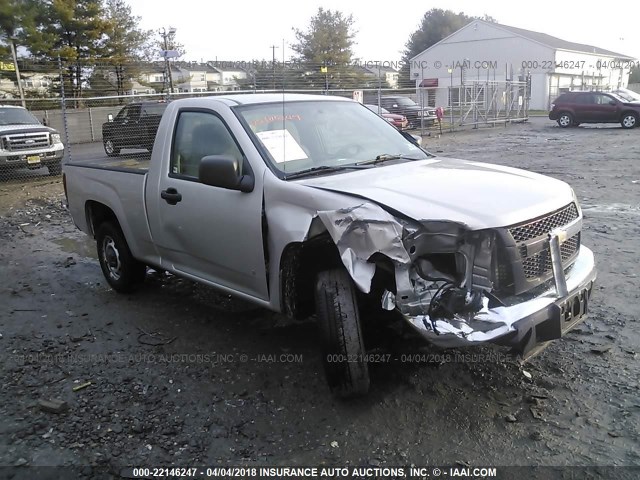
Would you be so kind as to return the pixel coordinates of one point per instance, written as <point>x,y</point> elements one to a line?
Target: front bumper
<point>522,325</point>
<point>32,158</point>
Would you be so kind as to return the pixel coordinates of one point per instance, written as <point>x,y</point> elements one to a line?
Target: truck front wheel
<point>344,355</point>
<point>110,148</point>
<point>123,272</point>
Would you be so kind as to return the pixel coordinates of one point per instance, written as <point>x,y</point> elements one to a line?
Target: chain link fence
<point>92,111</point>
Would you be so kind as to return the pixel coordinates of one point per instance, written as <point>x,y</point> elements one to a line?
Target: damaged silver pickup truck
<point>313,205</point>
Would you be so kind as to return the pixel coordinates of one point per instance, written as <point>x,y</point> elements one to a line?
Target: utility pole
<point>167,67</point>
<point>273,64</point>
<point>15,63</point>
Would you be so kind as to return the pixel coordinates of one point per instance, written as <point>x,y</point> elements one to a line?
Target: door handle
<point>171,196</point>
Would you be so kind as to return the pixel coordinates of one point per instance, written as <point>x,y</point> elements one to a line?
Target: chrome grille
<point>25,141</point>
<point>540,263</point>
<point>542,226</point>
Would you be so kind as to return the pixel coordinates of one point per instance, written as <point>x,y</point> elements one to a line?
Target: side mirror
<point>224,172</point>
<point>110,117</point>
<point>612,102</point>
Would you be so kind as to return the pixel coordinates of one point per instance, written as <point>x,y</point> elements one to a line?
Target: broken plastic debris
<point>537,414</point>
<point>81,386</point>
<point>334,444</point>
<point>53,405</point>
<point>388,300</point>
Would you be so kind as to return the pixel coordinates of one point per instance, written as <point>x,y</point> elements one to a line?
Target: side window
<point>603,99</point>
<point>122,114</point>
<point>197,135</point>
<point>585,99</point>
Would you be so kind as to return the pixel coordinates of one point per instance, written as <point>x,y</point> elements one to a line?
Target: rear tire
<point>344,355</point>
<point>110,148</point>
<point>629,120</point>
<point>123,272</point>
<point>565,120</point>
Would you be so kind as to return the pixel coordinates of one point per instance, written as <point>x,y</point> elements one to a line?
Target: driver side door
<point>206,232</point>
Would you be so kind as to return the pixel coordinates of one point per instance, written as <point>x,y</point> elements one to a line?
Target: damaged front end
<point>458,286</point>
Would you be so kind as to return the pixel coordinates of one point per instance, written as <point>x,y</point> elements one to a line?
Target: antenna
<point>284,137</point>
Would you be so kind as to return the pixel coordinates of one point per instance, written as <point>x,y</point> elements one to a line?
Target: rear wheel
<point>338,318</point>
<point>629,120</point>
<point>123,272</point>
<point>565,120</point>
<point>110,148</point>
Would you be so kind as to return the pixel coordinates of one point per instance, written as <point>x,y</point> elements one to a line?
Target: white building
<point>195,77</point>
<point>228,75</point>
<point>387,74</point>
<point>33,84</point>
<point>484,51</point>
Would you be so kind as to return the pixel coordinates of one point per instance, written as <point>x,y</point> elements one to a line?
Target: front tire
<point>338,319</point>
<point>110,148</point>
<point>629,120</point>
<point>123,272</point>
<point>565,120</point>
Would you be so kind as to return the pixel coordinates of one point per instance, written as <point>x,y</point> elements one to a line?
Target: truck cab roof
<point>256,98</point>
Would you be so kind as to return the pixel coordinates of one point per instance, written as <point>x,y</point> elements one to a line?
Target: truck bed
<point>119,183</point>
<point>127,163</point>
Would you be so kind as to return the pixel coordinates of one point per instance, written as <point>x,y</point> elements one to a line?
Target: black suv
<point>573,108</point>
<point>135,126</point>
<point>405,106</point>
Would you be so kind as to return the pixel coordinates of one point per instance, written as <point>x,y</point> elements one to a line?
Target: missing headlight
<point>448,267</point>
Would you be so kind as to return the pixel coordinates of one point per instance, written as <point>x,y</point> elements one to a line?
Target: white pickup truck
<point>310,205</point>
<point>26,143</point>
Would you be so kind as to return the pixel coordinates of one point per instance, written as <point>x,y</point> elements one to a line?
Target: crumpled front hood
<point>479,195</point>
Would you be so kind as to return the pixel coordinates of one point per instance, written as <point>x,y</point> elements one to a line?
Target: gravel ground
<point>179,375</point>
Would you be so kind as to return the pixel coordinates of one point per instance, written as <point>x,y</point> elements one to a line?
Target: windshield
<point>627,95</point>
<point>155,109</point>
<point>308,134</point>
<point>16,116</point>
<point>406,102</point>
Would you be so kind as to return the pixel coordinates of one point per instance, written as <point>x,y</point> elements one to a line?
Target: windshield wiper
<point>323,169</point>
<point>386,157</point>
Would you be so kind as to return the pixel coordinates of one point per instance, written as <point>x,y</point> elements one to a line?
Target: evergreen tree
<point>71,29</point>
<point>326,49</point>
<point>123,49</point>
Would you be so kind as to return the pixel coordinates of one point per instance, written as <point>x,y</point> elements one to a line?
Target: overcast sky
<point>245,29</point>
